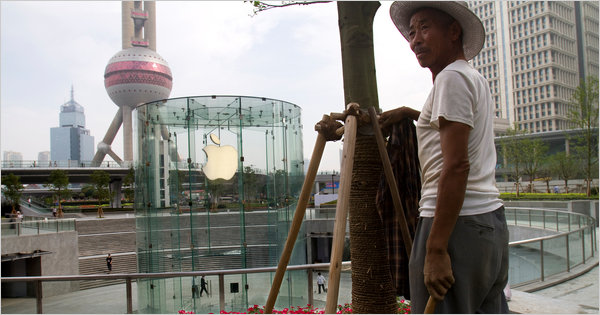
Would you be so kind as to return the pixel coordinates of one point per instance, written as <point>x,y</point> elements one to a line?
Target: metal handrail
<point>128,277</point>
<point>167,274</point>
<point>57,225</point>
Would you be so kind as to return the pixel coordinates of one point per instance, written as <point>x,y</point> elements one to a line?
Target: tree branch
<point>260,6</point>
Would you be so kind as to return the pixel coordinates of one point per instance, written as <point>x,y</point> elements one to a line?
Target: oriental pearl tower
<point>133,76</point>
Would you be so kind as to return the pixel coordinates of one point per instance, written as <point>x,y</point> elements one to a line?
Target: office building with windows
<point>12,156</point>
<point>43,157</point>
<point>534,57</point>
<point>71,142</point>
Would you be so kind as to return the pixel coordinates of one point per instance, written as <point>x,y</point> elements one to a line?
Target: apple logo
<point>221,161</point>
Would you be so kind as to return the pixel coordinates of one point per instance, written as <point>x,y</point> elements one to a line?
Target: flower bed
<point>403,308</point>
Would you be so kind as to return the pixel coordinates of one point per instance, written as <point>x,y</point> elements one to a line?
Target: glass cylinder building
<point>217,180</point>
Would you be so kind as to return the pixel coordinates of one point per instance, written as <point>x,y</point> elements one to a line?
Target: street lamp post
<point>332,183</point>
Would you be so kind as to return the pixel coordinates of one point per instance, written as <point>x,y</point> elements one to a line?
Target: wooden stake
<point>341,214</point>
<point>389,177</point>
<point>307,186</point>
<point>430,307</point>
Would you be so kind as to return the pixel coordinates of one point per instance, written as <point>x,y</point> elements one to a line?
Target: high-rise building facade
<point>43,157</point>
<point>535,54</point>
<point>12,156</point>
<point>71,142</point>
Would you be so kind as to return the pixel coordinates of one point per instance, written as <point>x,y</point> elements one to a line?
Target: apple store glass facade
<point>217,180</point>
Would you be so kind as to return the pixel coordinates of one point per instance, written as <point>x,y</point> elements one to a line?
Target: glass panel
<point>555,256</point>
<point>510,216</point>
<point>550,217</point>
<point>575,218</point>
<point>524,263</point>
<point>563,222</point>
<point>19,305</point>
<point>70,297</point>
<point>10,229</point>
<point>522,217</point>
<point>575,249</point>
<point>589,243</point>
<point>537,218</point>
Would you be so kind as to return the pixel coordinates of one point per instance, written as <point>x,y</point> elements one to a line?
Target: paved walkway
<point>577,296</point>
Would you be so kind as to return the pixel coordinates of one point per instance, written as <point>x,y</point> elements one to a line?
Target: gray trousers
<point>478,250</point>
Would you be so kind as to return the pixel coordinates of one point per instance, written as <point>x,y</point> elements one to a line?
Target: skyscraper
<point>71,142</point>
<point>535,54</point>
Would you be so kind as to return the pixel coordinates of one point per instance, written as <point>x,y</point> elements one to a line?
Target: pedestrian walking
<point>321,282</point>
<point>203,285</point>
<point>109,263</point>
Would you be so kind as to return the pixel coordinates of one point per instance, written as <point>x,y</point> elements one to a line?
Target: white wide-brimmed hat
<point>473,30</point>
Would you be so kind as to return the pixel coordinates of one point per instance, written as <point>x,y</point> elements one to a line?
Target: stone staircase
<point>171,239</point>
<point>99,237</point>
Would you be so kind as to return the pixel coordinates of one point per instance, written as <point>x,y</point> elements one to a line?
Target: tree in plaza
<point>545,171</point>
<point>12,190</point>
<point>87,191</point>
<point>372,290</point>
<point>250,181</point>
<point>565,166</point>
<point>215,188</point>
<point>511,150</point>
<point>128,185</point>
<point>372,287</point>
<point>584,115</point>
<point>532,154</point>
<point>101,181</point>
<point>58,181</point>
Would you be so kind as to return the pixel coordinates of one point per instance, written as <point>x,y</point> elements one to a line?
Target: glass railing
<point>568,240</point>
<point>36,227</point>
<point>61,164</point>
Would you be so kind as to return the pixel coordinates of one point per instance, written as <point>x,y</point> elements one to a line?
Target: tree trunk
<point>531,185</point>
<point>372,287</point>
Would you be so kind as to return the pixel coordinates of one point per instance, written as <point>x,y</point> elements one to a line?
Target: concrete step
<point>106,225</point>
<point>125,263</point>
<point>101,244</point>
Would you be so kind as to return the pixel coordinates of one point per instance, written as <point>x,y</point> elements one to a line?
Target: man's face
<point>430,39</point>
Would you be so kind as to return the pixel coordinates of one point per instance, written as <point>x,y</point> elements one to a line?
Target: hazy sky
<point>213,48</point>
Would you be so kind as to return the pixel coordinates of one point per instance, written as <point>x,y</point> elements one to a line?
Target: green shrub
<point>544,196</point>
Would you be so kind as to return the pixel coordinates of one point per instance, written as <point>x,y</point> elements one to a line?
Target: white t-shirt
<point>320,279</point>
<point>459,94</point>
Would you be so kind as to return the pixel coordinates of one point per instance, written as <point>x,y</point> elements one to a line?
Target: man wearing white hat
<point>460,251</point>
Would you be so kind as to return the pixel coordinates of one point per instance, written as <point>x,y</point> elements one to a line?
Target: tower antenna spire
<point>72,93</point>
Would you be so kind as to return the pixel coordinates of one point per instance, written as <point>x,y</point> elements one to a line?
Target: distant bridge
<point>39,175</point>
<point>31,172</point>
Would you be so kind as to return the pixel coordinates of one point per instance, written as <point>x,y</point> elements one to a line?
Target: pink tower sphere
<point>137,75</point>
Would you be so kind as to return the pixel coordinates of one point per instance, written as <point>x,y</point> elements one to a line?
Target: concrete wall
<point>63,259</point>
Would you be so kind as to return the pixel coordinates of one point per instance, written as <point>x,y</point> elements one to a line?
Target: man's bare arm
<point>390,117</point>
<point>452,185</point>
